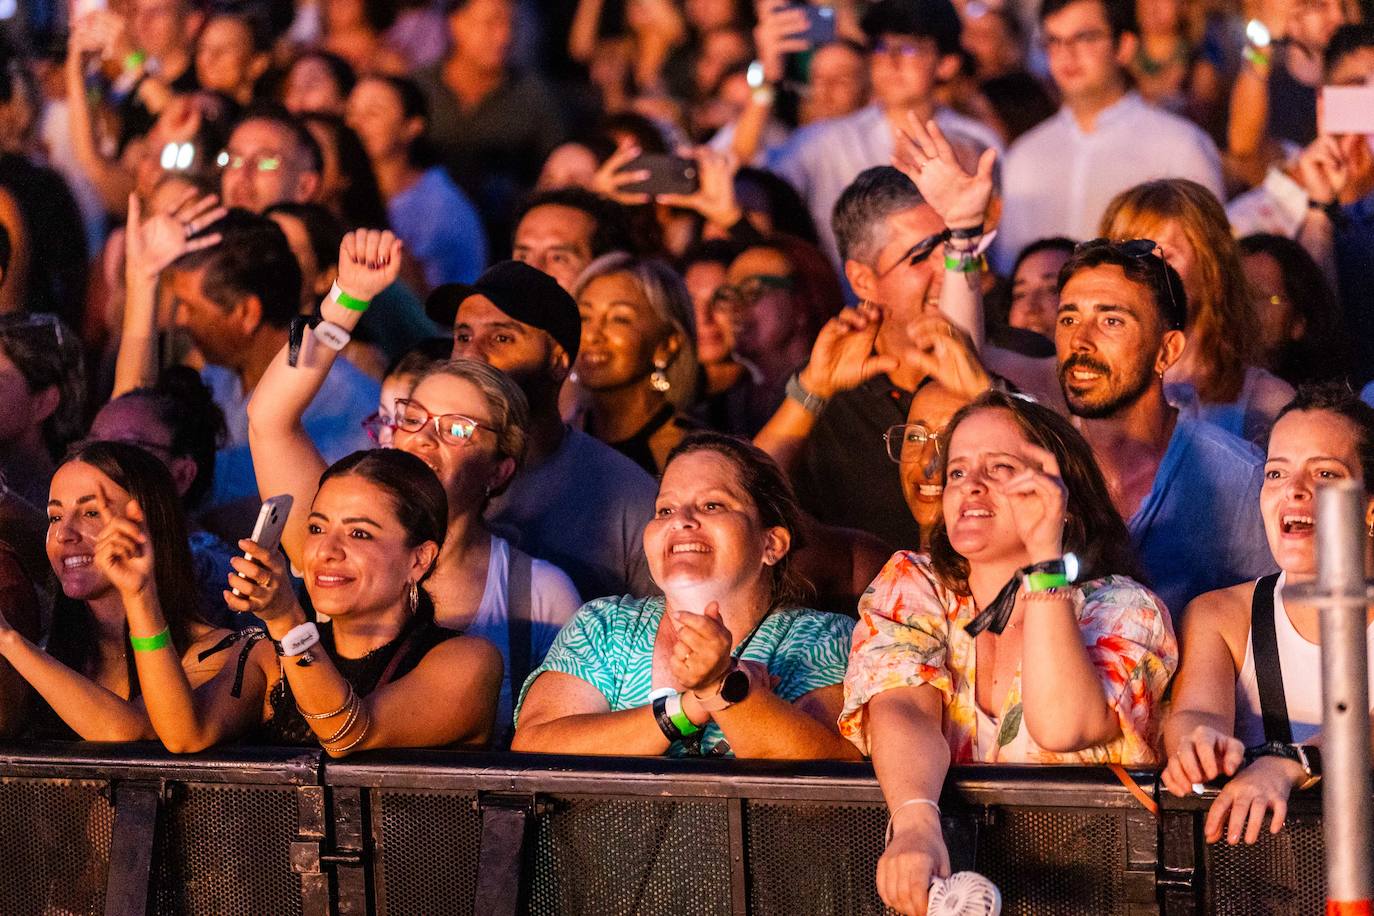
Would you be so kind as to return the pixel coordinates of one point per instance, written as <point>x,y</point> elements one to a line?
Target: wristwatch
<point>811,403</point>
<point>1305,755</point>
<point>734,688</point>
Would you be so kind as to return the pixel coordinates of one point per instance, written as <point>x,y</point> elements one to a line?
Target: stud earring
<point>658,379</point>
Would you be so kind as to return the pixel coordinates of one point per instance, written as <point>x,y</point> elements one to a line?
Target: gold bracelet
<point>1064,592</point>
<point>316,716</point>
<point>362,733</point>
<point>348,722</point>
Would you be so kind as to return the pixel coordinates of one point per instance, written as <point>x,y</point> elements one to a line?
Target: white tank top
<point>1301,664</point>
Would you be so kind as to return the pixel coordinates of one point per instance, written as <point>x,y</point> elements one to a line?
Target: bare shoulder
<point>1225,611</point>
<point>465,650</point>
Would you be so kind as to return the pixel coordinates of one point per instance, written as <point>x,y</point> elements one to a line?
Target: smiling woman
<point>724,664</point>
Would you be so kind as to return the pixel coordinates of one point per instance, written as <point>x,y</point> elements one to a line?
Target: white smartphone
<point>269,526</point>
<point>1347,110</point>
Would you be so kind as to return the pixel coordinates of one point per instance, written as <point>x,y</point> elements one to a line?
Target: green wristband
<point>134,59</point>
<point>1256,57</point>
<point>1044,581</point>
<point>962,264</point>
<point>152,643</point>
<point>684,725</point>
<point>352,303</point>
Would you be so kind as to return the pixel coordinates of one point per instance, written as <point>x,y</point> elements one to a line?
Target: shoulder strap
<point>519,629</point>
<point>1264,643</point>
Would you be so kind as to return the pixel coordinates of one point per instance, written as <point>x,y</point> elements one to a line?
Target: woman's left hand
<point>123,549</point>
<point>263,585</point>
<point>702,654</point>
<point>1037,499</point>
<point>1261,787</point>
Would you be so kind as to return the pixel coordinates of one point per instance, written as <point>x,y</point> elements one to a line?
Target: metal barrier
<point>127,830</point>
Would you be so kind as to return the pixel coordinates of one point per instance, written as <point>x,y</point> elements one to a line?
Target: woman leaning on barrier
<point>380,673</point>
<point>724,663</point>
<point>1247,703</point>
<point>86,677</point>
<point>993,648</point>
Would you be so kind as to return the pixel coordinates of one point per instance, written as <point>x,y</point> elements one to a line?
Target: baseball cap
<point>524,293</point>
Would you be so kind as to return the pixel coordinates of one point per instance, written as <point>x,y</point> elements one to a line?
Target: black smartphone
<point>820,22</point>
<point>667,175</point>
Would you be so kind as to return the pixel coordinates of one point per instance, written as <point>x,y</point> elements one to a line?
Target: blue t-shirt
<point>440,228</point>
<point>333,421</point>
<point>1200,528</point>
<point>610,645</point>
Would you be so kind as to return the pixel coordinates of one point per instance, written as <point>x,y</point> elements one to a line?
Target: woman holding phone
<point>380,673</point>
<point>86,679</point>
<point>463,419</point>
<point>1020,638</point>
<point>725,663</point>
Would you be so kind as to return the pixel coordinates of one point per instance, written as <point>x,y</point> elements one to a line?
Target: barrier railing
<point>129,830</point>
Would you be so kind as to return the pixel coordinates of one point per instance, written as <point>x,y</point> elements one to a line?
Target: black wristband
<point>972,232</point>
<point>294,335</point>
<point>665,722</point>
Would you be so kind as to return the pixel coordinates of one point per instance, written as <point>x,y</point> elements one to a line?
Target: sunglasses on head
<point>919,252</point>
<point>1140,249</point>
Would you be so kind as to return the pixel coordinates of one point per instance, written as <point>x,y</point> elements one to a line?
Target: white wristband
<point>299,639</point>
<point>331,335</point>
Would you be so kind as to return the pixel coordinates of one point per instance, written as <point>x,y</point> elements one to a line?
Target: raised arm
<point>150,247</point>
<point>584,31</point>
<point>96,33</point>
<point>285,458</point>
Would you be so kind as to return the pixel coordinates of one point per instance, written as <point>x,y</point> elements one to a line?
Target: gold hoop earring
<point>412,598</point>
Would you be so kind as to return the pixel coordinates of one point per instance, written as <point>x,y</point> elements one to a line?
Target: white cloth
<point>823,158</point>
<point>1058,180</point>
<point>553,601</point>
<point>1301,664</point>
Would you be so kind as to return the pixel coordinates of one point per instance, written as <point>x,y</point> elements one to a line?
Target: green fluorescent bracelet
<point>151,643</point>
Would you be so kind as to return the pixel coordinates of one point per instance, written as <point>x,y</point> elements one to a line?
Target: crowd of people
<point>937,382</point>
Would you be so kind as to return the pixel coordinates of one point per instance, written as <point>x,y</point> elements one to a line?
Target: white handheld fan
<point>964,893</point>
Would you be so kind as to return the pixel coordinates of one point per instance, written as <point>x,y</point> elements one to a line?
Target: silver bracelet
<point>887,837</point>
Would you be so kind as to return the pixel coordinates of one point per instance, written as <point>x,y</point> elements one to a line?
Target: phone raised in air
<point>268,528</point>
<point>1347,110</point>
<point>667,175</point>
<point>820,24</point>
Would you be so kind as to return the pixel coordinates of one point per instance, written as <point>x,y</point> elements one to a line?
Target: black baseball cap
<point>525,293</point>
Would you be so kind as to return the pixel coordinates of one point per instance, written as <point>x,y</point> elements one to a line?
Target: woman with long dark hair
<point>379,673</point>
<point>86,677</point>
<point>1022,637</point>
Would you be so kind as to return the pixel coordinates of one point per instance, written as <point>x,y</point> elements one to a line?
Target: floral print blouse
<point>911,632</point>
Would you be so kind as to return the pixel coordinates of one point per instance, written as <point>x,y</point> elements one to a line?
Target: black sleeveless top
<point>419,636</point>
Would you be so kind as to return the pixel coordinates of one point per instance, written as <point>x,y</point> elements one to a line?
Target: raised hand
<point>1240,807</point>
<point>943,351</point>
<point>610,178</point>
<point>842,357</point>
<point>1037,499</point>
<point>262,583</point>
<point>369,262</point>
<point>776,35</point>
<point>150,246</point>
<point>702,654</point>
<point>715,195</point>
<point>123,549</point>
<point>1324,170</point>
<point>1203,755</point>
<point>924,155</point>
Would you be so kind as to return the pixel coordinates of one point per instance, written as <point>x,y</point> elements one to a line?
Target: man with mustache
<point>1188,490</point>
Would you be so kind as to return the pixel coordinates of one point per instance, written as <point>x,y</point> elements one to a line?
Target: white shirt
<point>823,158</point>
<point>1058,180</point>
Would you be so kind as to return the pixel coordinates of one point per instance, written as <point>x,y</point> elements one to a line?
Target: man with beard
<point>1188,490</point>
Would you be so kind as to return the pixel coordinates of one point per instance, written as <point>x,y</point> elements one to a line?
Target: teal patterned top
<point>610,645</point>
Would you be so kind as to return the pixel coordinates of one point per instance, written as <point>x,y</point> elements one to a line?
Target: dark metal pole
<point>1347,792</point>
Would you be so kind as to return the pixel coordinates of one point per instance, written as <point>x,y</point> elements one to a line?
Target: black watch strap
<point>665,721</point>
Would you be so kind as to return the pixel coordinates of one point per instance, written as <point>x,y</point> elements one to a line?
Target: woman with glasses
<point>467,422</point>
<point>725,663</point>
<point>776,298</point>
<point>397,382</point>
<point>1021,637</point>
<point>85,674</point>
<point>637,361</point>
<point>378,674</point>
<point>1218,378</point>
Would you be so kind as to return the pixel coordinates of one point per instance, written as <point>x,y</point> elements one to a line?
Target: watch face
<point>735,687</point>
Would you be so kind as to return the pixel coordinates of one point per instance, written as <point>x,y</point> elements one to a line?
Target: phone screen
<point>1347,110</point>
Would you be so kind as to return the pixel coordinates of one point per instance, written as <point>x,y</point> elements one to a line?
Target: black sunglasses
<point>918,252</point>
<point>1140,249</point>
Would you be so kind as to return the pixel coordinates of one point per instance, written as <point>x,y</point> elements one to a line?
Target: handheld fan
<point>964,893</point>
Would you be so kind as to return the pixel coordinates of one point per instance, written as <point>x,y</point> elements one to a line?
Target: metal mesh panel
<point>619,857</point>
<point>1281,875</point>
<point>1055,861</point>
<point>55,846</point>
<point>813,858</point>
<point>226,851</point>
<point>427,850</point>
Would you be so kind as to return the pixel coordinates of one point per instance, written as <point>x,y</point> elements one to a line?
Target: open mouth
<point>78,561</point>
<point>976,513</point>
<point>1296,523</point>
<point>930,490</point>
<point>689,547</point>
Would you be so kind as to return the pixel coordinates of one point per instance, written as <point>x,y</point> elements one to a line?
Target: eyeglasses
<point>1075,41</point>
<point>903,50</point>
<point>918,253</point>
<point>453,428</point>
<point>258,162</point>
<point>740,298</point>
<point>912,437</point>
<point>375,423</point>
<point>1141,249</point>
